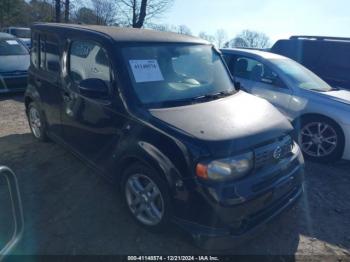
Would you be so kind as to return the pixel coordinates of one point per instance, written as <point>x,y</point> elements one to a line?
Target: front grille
<point>274,152</point>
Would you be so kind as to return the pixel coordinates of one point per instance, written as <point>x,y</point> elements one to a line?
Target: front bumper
<point>231,213</point>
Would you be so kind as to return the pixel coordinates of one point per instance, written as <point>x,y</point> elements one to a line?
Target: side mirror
<point>93,88</point>
<point>11,213</point>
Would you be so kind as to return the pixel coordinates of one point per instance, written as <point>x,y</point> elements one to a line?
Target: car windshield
<point>176,73</point>
<point>12,47</point>
<point>300,76</point>
<point>21,33</point>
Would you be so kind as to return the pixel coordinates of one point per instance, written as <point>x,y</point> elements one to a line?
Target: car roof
<point>253,52</point>
<point>6,36</point>
<point>122,34</point>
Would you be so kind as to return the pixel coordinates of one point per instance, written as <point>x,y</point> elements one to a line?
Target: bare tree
<point>43,11</point>
<point>85,15</point>
<point>221,38</point>
<point>250,39</point>
<point>58,11</point>
<point>66,10</point>
<point>11,12</point>
<point>207,37</point>
<point>136,12</point>
<point>105,11</point>
<point>184,30</point>
<point>181,29</point>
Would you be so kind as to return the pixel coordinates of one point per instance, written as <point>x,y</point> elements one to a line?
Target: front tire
<point>321,139</point>
<point>146,196</point>
<point>36,122</point>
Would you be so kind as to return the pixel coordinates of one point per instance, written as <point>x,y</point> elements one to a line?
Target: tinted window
<point>52,54</point>
<point>88,60</point>
<point>12,47</point>
<point>253,70</point>
<point>335,61</point>
<point>21,32</point>
<point>49,53</point>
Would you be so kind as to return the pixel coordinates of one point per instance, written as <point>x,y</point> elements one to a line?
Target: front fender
<point>149,154</point>
<point>31,94</point>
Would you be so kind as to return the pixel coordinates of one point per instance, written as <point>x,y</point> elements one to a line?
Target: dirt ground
<point>69,209</point>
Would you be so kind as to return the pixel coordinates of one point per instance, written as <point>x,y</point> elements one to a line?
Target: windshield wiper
<point>215,95</point>
<point>192,100</point>
<point>317,90</point>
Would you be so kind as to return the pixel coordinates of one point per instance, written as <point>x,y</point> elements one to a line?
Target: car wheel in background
<point>36,122</point>
<point>146,196</point>
<point>321,139</point>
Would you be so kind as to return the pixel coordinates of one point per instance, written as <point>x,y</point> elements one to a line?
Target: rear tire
<point>36,122</point>
<point>146,197</point>
<point>321,139</point>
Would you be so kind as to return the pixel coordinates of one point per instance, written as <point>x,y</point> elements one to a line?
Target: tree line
<point>133,13</point>
<point>126,13</point>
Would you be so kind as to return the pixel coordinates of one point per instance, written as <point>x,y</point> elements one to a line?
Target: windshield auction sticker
<point>146,70</point>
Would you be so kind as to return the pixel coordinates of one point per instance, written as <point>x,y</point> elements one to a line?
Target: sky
<point>276,18</point>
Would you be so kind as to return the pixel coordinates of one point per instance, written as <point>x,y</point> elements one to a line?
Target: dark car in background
<point>14,63</point>
<point>158,114</point>
<point>22,33</point>
<point>327,57</point>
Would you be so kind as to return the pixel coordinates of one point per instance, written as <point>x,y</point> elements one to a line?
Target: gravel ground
<point>69,209</point>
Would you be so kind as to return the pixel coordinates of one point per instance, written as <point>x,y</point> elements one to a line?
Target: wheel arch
<point>149,155</point>
<point>296,122</point>
<point>27,101</point>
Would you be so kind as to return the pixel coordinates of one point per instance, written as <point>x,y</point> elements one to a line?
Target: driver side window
<point>253,70</point>
<point>88,60</point>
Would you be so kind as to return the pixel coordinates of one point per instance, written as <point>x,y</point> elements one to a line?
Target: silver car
<point>14,64</point>
<point>320,113</point>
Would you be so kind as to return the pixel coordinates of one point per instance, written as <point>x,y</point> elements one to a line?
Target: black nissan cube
<point>159,115</point>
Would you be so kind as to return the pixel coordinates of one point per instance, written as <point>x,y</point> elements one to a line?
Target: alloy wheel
<point>144,199</point>
<point>318,139</point>
<point>35,122</point>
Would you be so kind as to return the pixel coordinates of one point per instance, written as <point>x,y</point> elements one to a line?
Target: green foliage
<point>24,13</point>
<point>11,12</point>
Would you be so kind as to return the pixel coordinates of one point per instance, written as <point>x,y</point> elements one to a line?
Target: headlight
<point>227,168</point>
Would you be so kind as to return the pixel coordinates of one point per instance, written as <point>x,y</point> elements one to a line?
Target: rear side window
<point>45,53</point>
<point>88,60</point>
<point>52,56</point>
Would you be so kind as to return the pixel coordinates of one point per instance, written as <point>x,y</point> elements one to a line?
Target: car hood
<point>232,124</point>
<point>14,63</point>
<point>338,95</point>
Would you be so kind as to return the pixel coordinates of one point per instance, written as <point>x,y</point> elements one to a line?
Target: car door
<point>90,125</point>
<point>258,79</point>
<point>44,74</point>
